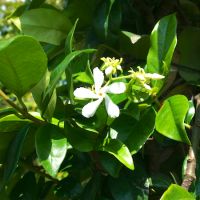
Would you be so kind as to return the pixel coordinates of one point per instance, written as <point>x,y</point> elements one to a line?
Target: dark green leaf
<point>80,138</point>
<point>177,192</point>
<point>69,39</point>
<point>120,151</point>
<point>14,153</point>
<point>141,131</point>
<point>170,118</point>
<point>163,42</point>
<point>46,25</point>
<point>21,57</point>
<point>11,123</point>
<point>51,147</point>
<point>110,164</point>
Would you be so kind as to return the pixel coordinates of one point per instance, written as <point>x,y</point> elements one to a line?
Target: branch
<point>190,175</point>
<point>24,112</point>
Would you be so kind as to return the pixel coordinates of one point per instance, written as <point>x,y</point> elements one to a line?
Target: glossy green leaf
<point>141,131</point>
<point>51,147</point>
<point>177,192</point>
<point>120,151</point>
<point>81,139</point>
<point>14,152</point>
<point>21,57</point>
<point>60,69</point>
<point>170,118</point>
<point>11,123</point>
<point>46,25</point>
<point>163,42</point>
<point>190,113</point>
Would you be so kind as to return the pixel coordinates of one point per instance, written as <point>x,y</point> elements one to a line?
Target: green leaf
<point>163,42</point>
<point>69,39</point>
<point>11,123</point>
<point>177,192</point>
<point>170,118</point>
<point>51,147</point>
<point>60,69</point>
<point>6,139</point>
<point>14,153</point>
<point>81,139</point>
<point>21,57</point>
<point>46,25</point>
<point>190,113</point>
<point>109,163</point>
<point>120,151</point>
<point>141,131</point>
<point>102,18</point>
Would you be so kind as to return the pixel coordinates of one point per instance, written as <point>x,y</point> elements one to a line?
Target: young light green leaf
<point>21,57</point>
<point>177,192</point>
<point>46,25</point>
<point>120,151</point>
<point>163,42</point>
<point>170,118</point>
<point>51,147</point>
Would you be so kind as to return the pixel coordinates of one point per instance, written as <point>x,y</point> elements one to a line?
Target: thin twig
<point>190,175</point>
<point>20,110</point>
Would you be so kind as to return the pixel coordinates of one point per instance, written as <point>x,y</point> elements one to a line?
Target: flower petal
<point>98,78</point>
<point>116,88</point>
<point>90,108</point>
<point>108,70</point>
<point>154,76</point>
<point>84,93</point>
<point>112,109</point>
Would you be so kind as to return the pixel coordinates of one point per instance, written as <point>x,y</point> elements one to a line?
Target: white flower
<point>100,93</point>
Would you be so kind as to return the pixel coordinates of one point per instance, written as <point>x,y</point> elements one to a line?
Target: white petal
<point>90,108</point>
<point>147,86</point>
<point>112,109</point>
<point>108,70</point>
<point>154,76</point>
<point>98,78</point>
<point>119,67</point>
<point>116,88</point>
<point>84,93</point>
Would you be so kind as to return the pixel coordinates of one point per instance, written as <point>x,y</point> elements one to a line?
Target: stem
<point>121,77</point>
<point>20,110</point>
<point>190,175</point>
<point>188,126</point>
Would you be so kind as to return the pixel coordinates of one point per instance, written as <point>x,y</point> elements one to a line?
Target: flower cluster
<point>101,89</point>
<point>111,65</point>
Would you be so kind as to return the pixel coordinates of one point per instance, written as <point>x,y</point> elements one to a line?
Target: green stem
<point>121,77</point>
<point>20,110</point>
<point>188,126</point>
